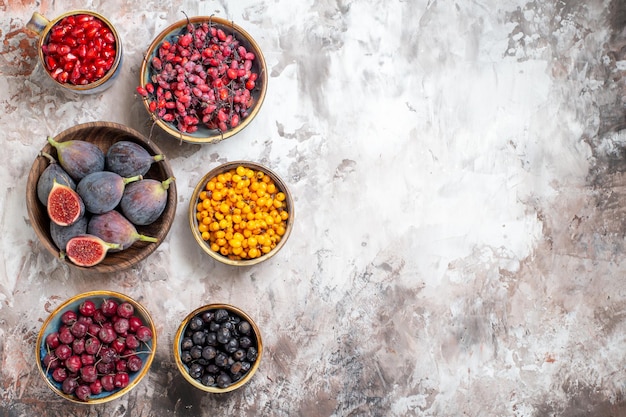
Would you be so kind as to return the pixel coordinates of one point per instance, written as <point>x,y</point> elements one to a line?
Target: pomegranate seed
<point>79,38</point>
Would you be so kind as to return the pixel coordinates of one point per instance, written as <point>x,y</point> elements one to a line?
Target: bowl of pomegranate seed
<point>80,50</point>
<point>203,79</point>
<point>218,348</point>
<point>241,213</point>
<point>96,347</point>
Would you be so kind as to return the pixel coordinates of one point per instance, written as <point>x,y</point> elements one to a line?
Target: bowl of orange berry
<point>241,213</point>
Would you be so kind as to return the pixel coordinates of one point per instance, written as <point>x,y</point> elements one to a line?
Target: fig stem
<point>145,238</point>
<point>167,182</point>
<point>52,142</point>
<point>132,179</point>
<point>48,156</point>
<point>159,157</point>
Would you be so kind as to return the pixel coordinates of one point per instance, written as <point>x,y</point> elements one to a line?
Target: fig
<point>65,207</point>
<point>144,201</point>
<point>78,157</point>
<point>88,250</point>
<point>113,227</point>
<point>102,191</point>
<point>128,159</point>
<point>53,171</point>
<point>62,234</point>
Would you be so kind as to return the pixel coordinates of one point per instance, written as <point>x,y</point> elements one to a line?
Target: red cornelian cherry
<point>82,47</point>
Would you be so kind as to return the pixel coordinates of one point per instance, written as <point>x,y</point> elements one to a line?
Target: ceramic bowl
<point>146,351</point>
<point>103,134</point>
<point>84,79</point>
<point>254,336</point>
<point>199,225</point>
<point>207,132</point>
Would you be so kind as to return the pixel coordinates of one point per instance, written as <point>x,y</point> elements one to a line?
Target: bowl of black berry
<point>96,347</point>
<point>203,79</point>
<point>218,348</point>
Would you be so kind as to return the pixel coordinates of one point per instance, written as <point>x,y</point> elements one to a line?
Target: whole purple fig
<point>144,201</point>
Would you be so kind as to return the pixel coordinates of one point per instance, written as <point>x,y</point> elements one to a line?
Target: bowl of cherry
<point>80,50</point>
<point>96,347</point>
<point>218,348</point>
<point>203,79</point>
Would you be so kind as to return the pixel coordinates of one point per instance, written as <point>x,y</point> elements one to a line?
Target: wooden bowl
<point>194,223</point>
<point>146,351</point>
<point>257,342</point>
<point>205,134</point>
<point>103,134</point>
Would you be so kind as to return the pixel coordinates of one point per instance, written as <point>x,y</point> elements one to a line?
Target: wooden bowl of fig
<point>241,213</point>
<point>218,348</point>
<point>101,138</point>
<point>96,347</point>
<point>224,85</point>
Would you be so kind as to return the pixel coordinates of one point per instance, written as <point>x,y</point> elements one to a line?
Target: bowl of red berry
<point>96,346</point>
<point>80,50</point>
<point>203,79</point>
<point>218,348</point>
<point>241,213</point>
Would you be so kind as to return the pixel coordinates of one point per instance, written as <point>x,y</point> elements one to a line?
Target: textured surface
<point>458,175</point>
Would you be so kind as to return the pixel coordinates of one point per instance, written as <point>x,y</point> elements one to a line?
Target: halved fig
<point>88,250</point>
<point>64,206</point>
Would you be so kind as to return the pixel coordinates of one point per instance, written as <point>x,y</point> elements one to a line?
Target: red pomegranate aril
<point>82,36</point>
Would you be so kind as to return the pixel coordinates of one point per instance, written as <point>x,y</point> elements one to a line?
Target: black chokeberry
<point>223,380</point>
<point>244,328</point>
<point>196,352</point>
<point>186,344</point>
<point>195,323</point>
<point>223,335</point>
<point>221,316</point>
<point>199,337</point>
<point>196,370</point>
